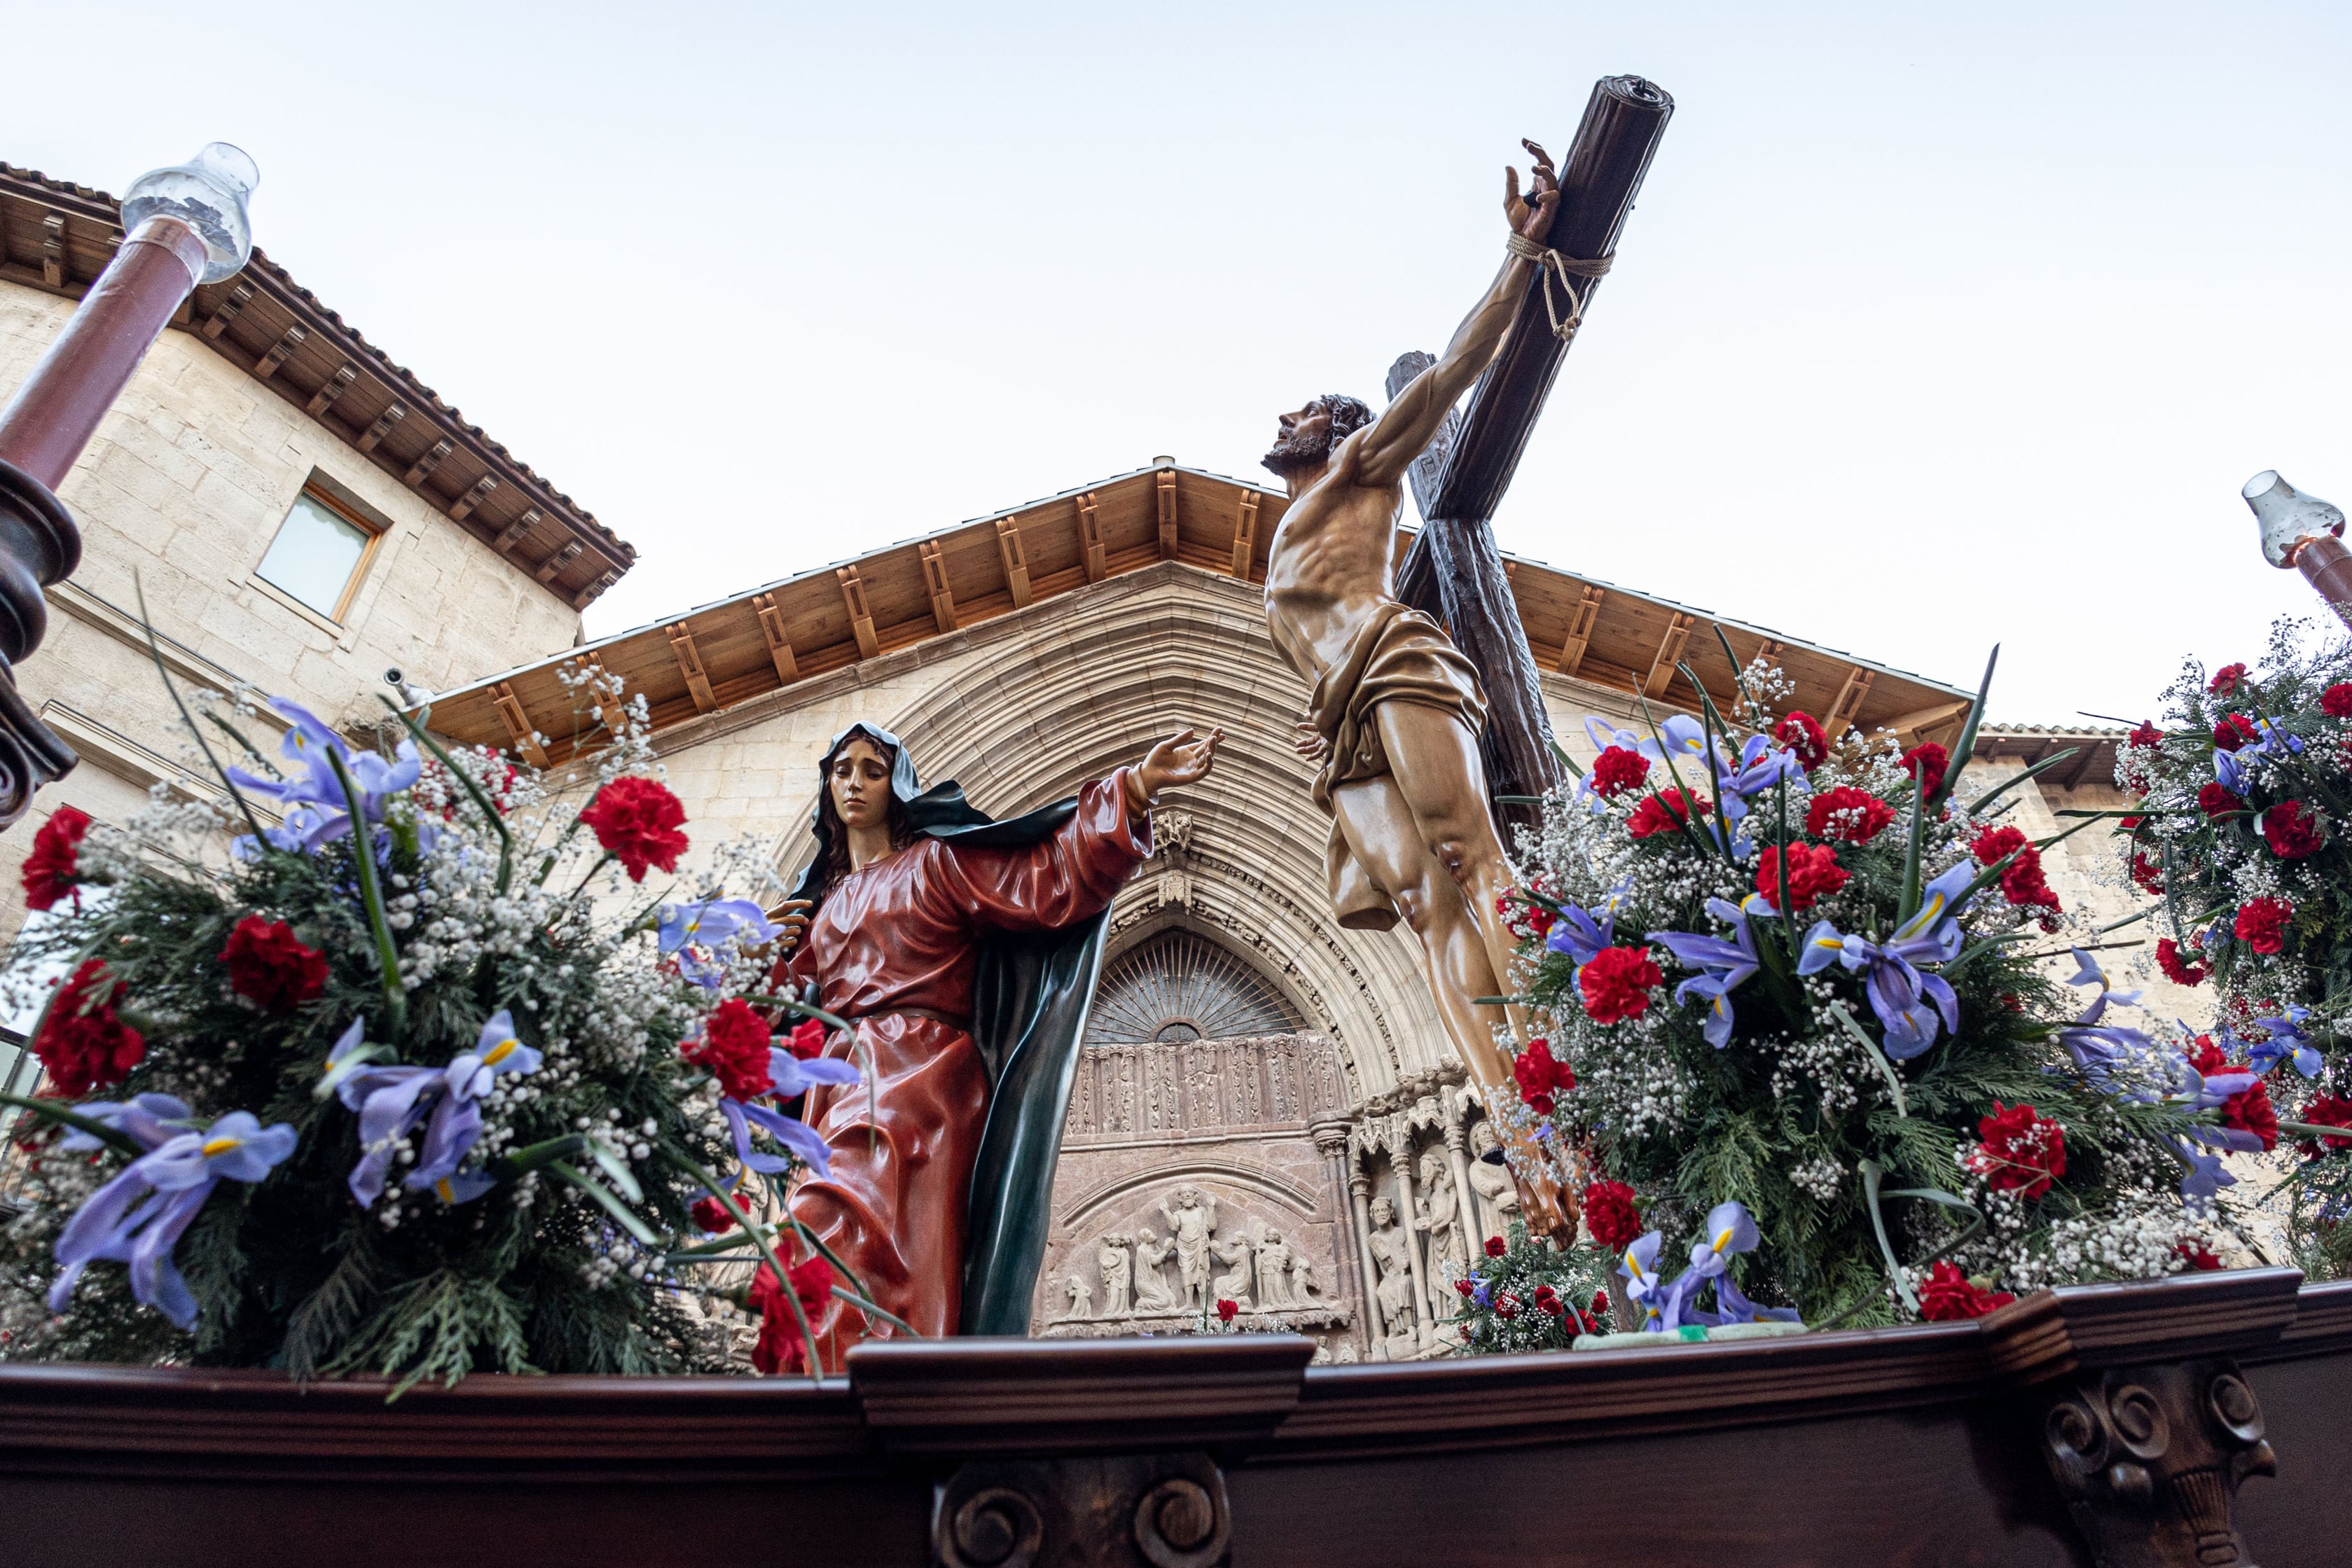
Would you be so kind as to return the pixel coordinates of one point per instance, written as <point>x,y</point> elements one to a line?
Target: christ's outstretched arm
<point>1410,422</point>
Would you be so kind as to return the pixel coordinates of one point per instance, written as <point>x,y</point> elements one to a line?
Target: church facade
<point>1266,1112</point>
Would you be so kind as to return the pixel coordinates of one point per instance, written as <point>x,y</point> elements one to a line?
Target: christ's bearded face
<point>1304,444</point>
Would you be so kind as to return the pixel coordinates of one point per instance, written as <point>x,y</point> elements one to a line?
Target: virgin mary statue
<point>963,952</point>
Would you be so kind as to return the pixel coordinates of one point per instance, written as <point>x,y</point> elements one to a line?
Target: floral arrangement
<point>417,1080</point>
<point>1807,983</point>
<point>2247,792</point>
<point>1523,1297</point>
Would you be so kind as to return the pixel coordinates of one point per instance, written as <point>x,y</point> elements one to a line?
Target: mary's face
<point>860,783</point>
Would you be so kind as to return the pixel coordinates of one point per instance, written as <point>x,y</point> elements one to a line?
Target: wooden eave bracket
<point>53,250</point>
<point>511,535</point>
<point>385,423</point>
<point>935,583</point>
<point>1661,668</point>
<point>1244,535</point>
<point>1165,485</point>
<point>564,556</point>
<point>331,389</point>
<point>604,579</point>
<point>1090,541</point>
<point>1580,623</point>
<point>519,730</point>
<point>1841,714</point>
<point>421,469</point>
<point>690,664</point>
<point>861,619</point>
<point>280,352</point>
<point>779,645</point>
<point>466,503</point>
<point>1016,560</point>
<point>599,686</point>
<point>239,296</point>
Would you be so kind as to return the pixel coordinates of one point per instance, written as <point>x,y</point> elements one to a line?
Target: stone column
<point>1331,1141</point>
<point>1400,1164</point>
<point>1466,1201</point>
<point>1360,1188</point>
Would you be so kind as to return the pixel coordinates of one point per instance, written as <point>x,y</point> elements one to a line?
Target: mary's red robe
<point>899,934</point>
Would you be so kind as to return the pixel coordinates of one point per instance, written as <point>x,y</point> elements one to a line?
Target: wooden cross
<point>1454,571</point>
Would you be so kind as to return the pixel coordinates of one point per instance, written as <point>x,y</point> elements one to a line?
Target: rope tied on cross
<point>1550,262</point>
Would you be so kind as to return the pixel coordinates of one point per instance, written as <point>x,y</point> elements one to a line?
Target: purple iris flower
<point>1685,740</point>
<point>314,794</point>
<point>2231,772</point>
<point>1662,1302</point>
<point>1729,1231</point>
<point>2288,1041</point>
<point>139,1217</point>
<point>2097,1050</point>
<point>1908,1002</point>
<point>391,1100</point>
<point>2205,1177</point>
<point>2088,973</point>
<point>1759,767</point>
<point>1581,933</point>
<point>1724,966</point>
<point>790,1078</point>
<point>691,930</point>
<point>2275,741</point>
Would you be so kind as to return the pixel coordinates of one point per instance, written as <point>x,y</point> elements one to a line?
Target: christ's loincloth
<point>1397,655</point>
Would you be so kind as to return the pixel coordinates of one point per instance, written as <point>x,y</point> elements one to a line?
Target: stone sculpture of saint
<point>1234,1286</point>
<point>1112,1260</point>
<point>1393,723</point>
<point>1394,1292</point>
<point>1274,1271</point>
<point>1190,1224</point>
<point>1082,1299</point>
<point>1490,1179</point>
<point>963,952</point>
<point>1151,1291</point>
<point>1440,1215</point>
<point>1303,1288</point>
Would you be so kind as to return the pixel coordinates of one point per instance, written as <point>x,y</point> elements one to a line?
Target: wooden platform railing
<point>2107,1424</point>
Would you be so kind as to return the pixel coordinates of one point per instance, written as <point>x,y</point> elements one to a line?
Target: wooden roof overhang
<point>2093,761</point>
<point>756,642</point>
<point>58,237</point>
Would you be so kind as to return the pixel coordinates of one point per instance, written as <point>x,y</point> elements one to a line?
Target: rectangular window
<point>319,554</point>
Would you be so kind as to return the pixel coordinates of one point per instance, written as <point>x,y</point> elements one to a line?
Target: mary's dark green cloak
<point>1028,1010</point>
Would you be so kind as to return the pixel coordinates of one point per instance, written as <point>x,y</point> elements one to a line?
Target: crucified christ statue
<point>1393,724</point>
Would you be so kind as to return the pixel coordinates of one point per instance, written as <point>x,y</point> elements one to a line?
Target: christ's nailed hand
<point>1183,758</point>
<point>1531,217</point>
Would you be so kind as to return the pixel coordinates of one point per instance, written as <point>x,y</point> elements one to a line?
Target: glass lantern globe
<point>2288,518</point>
<point>208,193</point>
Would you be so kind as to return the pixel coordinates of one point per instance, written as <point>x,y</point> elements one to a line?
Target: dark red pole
<point>2327,566</point>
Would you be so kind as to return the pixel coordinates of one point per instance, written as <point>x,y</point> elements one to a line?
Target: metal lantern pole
<point>186,225</point>
<point>2305,533</point>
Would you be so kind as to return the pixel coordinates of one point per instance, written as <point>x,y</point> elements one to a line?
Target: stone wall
<point>180,493</point>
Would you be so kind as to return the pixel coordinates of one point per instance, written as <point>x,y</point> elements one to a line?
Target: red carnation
<point>2023,884</point>
<point>1663,812</point>
<point>1857,816</point>
<point>2227,679</point>
<point>2022,1151</point>
<point>1813,871</point>
<point>2178,970</point>
<point>2250,1111</point>
<point>711,1214</point>
<point>637,822</point>
<point>83,1044</point>
<point>2336,702</point>
<point>1495,1246</point>
<point>1928,762</point>
<point>1992,843</point>
<point>2145,735</point>
<point>1506,1306</point>
<point>734,1046</point>
<point>1616,771</point>
<point>1950,1296</point>
<point>2233,732</point>
<point>1227,1309</point>
<point>1617,984</point>
<point>2262,924</point>
<point>1522,917</point>
<point>807,1038</point>
<point>53,868</point>
<point>1464,1287</point>
<point>2214,800</point>
<point>1540,1075</point>
<point>2290,830</point>
<point>1803,733</point>
<point>1610,1217</point>
<point>2206,1057</point>
<point>268,965</point>
<point>781,1347</point>
<point>2325,1111</point>
<point>2146,875</point>
<point>2200,1256</point>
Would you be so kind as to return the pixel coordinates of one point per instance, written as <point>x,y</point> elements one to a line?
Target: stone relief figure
<point>1189,1223</point>
<point>1440,1214</point>
<point>1234,1286</point>
<point>1274,1255</point>
<point>1082,1300</point>
<point>1394,1292</point>
<point>1303,1288</point>
<point>1112,1260</point>
<point>1151,1291</point>
<point>1491,1179</point>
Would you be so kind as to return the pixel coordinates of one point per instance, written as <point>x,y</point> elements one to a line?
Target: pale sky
<point>1935,327</point>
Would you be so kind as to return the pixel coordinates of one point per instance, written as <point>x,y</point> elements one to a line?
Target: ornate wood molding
<point>1160,1510</point>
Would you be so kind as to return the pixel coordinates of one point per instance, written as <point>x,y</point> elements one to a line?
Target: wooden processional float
<point>2163,1423</point>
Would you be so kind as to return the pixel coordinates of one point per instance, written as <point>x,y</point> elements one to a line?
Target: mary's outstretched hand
<point>1184,758</point>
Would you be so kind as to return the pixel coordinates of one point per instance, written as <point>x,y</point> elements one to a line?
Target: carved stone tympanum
<point>1158,1510</point>
<point>2150,1458</point>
